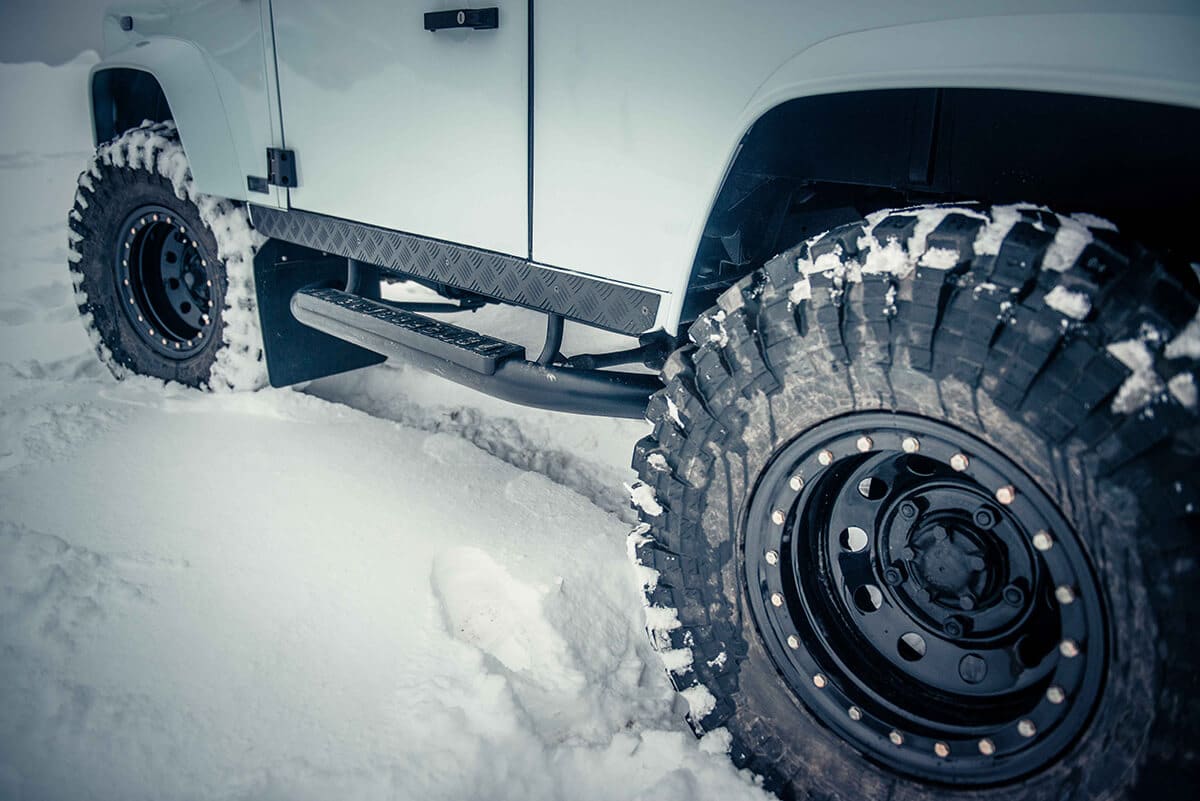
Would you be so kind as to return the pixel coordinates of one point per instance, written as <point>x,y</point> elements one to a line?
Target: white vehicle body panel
<point>638,108</point>
<point>396,126</point>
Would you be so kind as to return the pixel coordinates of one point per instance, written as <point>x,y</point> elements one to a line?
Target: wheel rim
<point>165,281</point>
<point>925,599</point>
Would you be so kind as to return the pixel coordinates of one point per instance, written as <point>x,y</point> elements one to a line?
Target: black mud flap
<point>295,352</point>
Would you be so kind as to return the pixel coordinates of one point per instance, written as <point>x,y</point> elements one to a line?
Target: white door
<point>393,125</point>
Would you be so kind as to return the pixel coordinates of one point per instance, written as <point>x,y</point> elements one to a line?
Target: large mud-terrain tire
<point>1042,367</point>
<point>164,275</point>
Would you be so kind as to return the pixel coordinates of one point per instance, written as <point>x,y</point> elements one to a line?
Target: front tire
<point>163,274</point>
<point>939,434</point>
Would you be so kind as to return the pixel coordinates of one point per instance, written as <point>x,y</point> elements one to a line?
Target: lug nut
<point>984,518</point>
<point>855,713</point>
<point>796,483</point>
<point>893,576</point>
<point>959,462</point>
<point>1006,494</point>
<point>987,747</point>
<point>1013,595</point>
<point>819,681</point>
<point>1043,541</point>
<point>953,628</point>
<point>1069,648</point>
<point>772,557</point>
<point>908,509</point>
<point>1026,728</point>
<point>864,444</point>
<point>825,458</point>
<point>941,749</point>
<point>776,599</point>
<point>777,517</point>
<point>896,737</point>
<point>1055,694</point>
<point>793,641</point>
<point>1064,594</point>
<point>910,444</point>
<point>972,668</point>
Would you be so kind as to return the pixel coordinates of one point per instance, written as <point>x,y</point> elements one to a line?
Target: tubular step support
<point>474,360</point>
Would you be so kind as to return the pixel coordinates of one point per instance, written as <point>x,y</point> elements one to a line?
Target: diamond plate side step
<point>372,323</point>
<point>475,360</point>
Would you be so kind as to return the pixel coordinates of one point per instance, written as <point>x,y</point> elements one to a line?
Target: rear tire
<point>164,275</point>
<point>1046,345</point>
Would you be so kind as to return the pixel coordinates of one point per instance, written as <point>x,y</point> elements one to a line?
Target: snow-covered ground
<point>382,587</point>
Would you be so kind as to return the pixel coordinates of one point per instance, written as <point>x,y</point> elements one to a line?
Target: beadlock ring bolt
<point>987,747</point>
<point>1055,694</point>
<point>825,458</point>
<point>777,517</point>
<point>1064,595</point>
<point>772,557</point>
<point>1069,649</point>
<point>819,681</point>
<point>959,462</point>
<point>896,737</point>
<point>776,600</point>
<point>941,749</point>
<point>796,483</point>
<point>1006,494</point>
<point>1043,541</point>
<point>910,444</point>
<point>864,444</point>
<point>855,713</point>
<point>793,641</point>
<point>1027,728</point>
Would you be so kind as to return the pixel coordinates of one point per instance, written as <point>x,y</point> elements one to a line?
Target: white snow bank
<point>441,626</point>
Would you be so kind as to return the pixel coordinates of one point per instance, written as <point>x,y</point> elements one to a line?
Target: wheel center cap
<point>949,562</point>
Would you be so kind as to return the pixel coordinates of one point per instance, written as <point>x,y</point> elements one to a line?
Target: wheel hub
<point>165,281</point>
<point>912,603</point>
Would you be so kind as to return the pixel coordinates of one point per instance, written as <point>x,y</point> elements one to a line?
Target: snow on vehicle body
<point>695,176</point>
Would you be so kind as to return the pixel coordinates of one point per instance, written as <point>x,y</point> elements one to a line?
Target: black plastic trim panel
<point>623,309</point>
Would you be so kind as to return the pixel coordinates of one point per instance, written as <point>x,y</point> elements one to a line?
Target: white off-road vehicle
<point>920,501</point>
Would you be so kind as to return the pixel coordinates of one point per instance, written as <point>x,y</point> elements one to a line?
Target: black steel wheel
<point>924,598</point>
<point>167,282</point>
<point>928,530</point>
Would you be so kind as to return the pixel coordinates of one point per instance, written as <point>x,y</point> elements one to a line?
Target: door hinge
<point>281,167</point>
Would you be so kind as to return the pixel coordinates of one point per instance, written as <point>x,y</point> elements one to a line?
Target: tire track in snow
<point>381,392</point>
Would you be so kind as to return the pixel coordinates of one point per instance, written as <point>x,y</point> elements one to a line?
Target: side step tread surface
<point>470,349</point>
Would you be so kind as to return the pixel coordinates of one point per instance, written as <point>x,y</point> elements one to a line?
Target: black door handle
<point>479,19</point>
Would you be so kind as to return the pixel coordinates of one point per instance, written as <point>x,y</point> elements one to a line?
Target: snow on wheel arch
<point>155,147</point>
